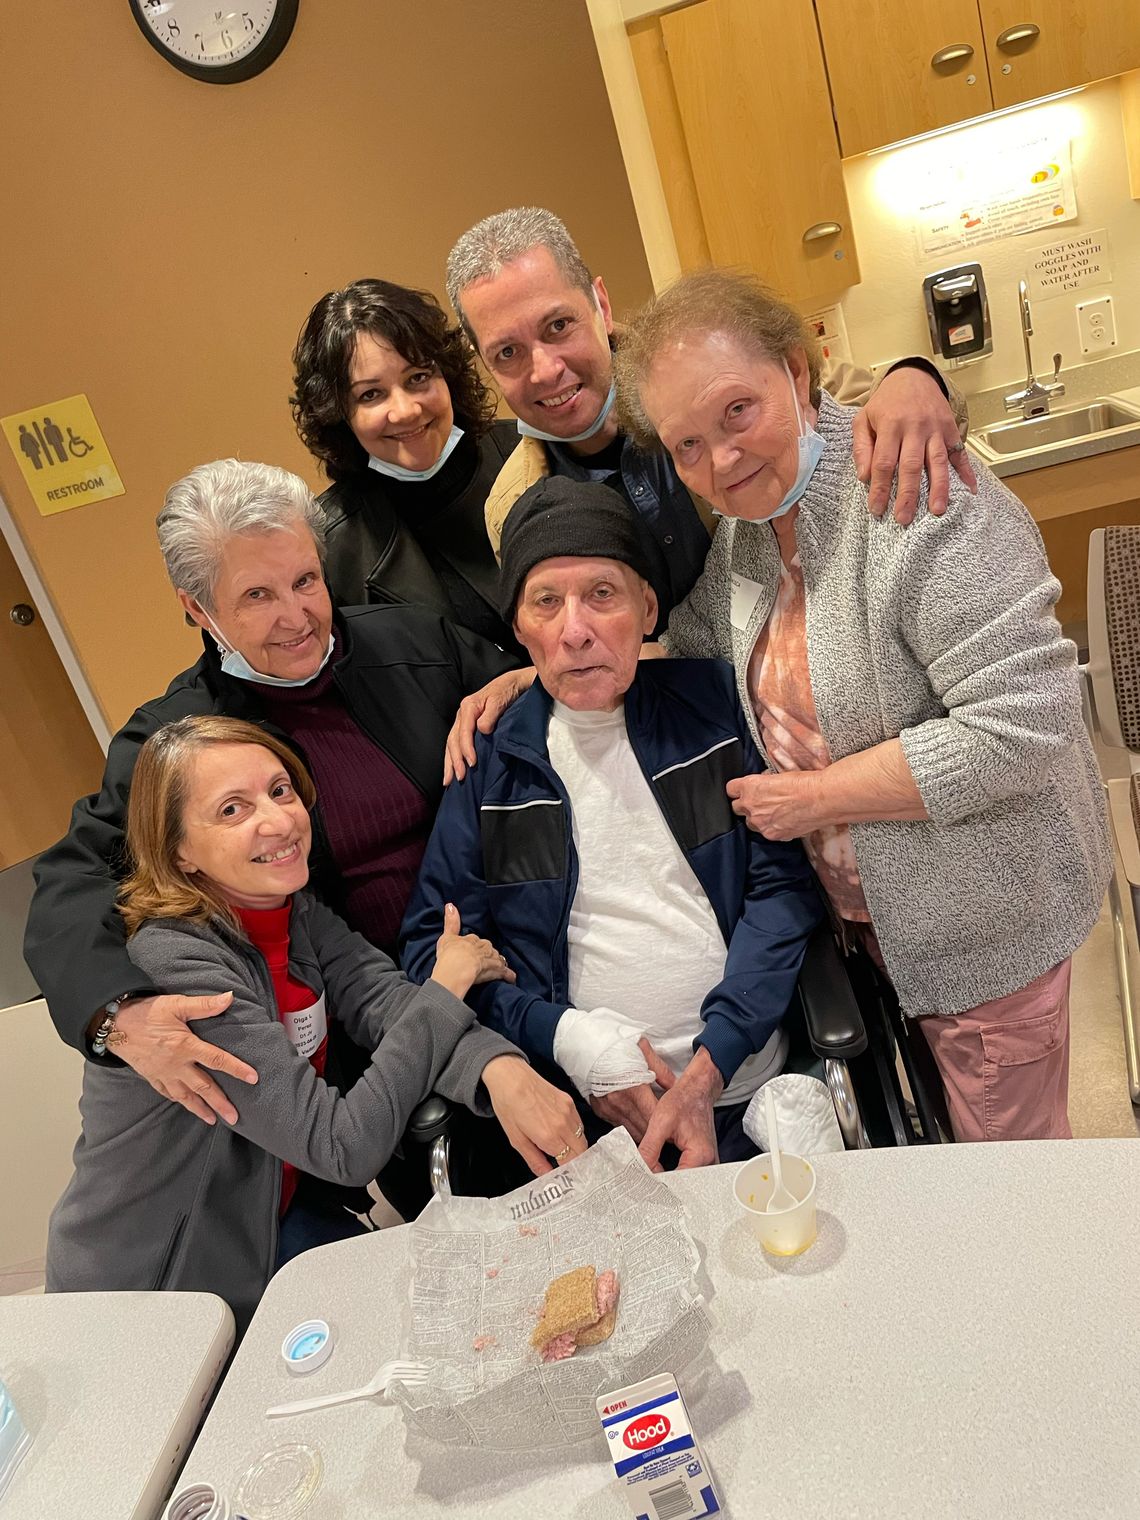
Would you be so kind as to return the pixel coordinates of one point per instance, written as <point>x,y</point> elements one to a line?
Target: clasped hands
<point>680,1113</point>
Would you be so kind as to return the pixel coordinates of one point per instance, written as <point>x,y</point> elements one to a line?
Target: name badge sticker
<point>307,1027</point>
<point>745,595</point>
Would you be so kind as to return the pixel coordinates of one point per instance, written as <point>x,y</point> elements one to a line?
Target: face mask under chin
<point>235,664</point>
<point>809,451</point>
<point>398,472</point>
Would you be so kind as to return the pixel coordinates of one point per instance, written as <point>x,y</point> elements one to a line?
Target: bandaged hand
<point>598,1050</point>
<point>632,1108</point>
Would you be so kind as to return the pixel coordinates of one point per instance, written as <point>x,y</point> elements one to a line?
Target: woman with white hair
<point>364,698</point>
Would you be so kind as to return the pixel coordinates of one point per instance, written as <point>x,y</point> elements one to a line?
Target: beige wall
<point>885,315</point>
<point>173,235</point>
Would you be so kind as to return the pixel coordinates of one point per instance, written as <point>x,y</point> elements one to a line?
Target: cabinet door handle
<point>1024,33</point>
<point>821,230</point>
<point>951,54</point>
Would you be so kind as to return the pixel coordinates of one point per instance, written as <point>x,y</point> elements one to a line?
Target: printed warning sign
<point>1029,185</point>
<point>62,454</point>
<point>1078,261</point>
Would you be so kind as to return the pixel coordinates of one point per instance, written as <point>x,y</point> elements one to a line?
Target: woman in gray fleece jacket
<point>909,688</point>
<point>219,833</point>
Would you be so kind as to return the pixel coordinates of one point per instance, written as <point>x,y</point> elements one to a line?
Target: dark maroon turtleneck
<point>377,820</point>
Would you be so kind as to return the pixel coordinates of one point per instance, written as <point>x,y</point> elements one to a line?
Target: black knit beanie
<point>558,516</point>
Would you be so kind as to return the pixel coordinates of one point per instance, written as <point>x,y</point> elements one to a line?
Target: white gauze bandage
<point>598,1051</point>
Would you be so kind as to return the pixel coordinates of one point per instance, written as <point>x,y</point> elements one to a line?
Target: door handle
<point>951,54</point>
<point>821,230</point>
<point>22,614</point>
<point>1024,33</point>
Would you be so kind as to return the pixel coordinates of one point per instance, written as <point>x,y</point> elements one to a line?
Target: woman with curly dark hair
<point>387,397</point>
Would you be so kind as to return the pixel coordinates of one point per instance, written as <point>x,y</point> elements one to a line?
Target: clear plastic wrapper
<point>480,1268</point>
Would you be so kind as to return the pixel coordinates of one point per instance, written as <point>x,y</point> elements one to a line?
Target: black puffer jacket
<point>402,673</point>
<point>424,543</point>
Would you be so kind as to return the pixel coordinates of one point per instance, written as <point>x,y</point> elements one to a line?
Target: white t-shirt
<point>645,948</point>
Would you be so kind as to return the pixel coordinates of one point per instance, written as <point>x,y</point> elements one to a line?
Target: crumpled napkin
<point>804,1113</point>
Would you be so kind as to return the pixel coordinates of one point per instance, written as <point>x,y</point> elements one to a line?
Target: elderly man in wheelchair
<point>656,940</point>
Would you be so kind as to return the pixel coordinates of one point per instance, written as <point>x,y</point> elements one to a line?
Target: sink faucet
<point>1034,400</point>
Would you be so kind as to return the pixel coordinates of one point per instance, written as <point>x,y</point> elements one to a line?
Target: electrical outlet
<point>1096,325</point>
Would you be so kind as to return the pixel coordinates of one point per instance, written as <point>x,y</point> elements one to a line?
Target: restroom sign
<point>62,455</point>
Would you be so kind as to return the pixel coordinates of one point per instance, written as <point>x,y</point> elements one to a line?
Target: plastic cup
<point>785,1232</point>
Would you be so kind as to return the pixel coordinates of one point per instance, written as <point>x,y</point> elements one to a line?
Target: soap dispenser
<point>958,313</point>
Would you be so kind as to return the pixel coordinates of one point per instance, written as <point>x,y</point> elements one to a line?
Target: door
<point>48,754</point>
<point>900,67</point>
<point>754,103</point>
<point>1037,47</point>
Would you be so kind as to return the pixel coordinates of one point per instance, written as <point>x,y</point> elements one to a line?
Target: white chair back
<point>40,1083</point>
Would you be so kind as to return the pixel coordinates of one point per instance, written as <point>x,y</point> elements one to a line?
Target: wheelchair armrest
<point>831,1010</point>
<point>429,1120</point>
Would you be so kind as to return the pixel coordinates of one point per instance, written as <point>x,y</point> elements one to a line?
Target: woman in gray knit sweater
<point>909,688</point>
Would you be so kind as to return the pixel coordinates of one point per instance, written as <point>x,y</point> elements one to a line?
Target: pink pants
<point>1005,1064</point>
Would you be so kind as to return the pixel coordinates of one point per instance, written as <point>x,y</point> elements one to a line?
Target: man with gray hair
<point>365,696</point>
<point>544,328</point>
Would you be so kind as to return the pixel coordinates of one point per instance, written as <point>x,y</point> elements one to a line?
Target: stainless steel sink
<point>1102,419</point>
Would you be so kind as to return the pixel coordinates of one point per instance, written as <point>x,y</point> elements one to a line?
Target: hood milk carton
<point>654,1452</point>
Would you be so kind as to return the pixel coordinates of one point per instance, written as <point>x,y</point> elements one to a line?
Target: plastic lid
<point>307,1346</point>
<point>281,1483</point>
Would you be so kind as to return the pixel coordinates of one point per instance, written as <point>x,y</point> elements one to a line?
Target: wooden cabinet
<point>752,99</point>
<point>1068,501</point>
<point>733,114</point>
<point>899,69</point>
<point>1037,47</point>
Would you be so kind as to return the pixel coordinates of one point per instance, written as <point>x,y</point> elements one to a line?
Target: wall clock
<point>219,44</point>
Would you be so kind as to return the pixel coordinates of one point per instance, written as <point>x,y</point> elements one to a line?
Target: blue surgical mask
<point>810,452</point>
<point>234,663</point>
<point>595,427</point>
<point>397,471</point>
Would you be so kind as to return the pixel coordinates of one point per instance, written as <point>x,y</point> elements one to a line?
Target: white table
<point>960,1342</point>
<point>112,1387</point>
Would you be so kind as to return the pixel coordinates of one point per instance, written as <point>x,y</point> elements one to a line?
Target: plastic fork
<point>391,1372</point>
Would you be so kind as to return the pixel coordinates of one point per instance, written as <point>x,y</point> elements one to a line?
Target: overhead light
<point>973,121</point>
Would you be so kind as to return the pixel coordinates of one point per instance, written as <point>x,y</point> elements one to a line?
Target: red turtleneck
<point>268,930</point>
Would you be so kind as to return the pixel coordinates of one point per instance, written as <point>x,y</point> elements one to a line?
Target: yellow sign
<point>62,455</point>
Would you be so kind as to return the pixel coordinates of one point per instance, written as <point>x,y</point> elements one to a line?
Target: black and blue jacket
<point>503,851</point>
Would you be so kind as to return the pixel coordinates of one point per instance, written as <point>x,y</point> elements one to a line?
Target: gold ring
<point>565,1151</point>
<point>579,1132</point>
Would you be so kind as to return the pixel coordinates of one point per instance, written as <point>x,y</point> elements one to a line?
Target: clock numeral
<point>248,20</point>
<point>173,28</point>
<point>201,41</point>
